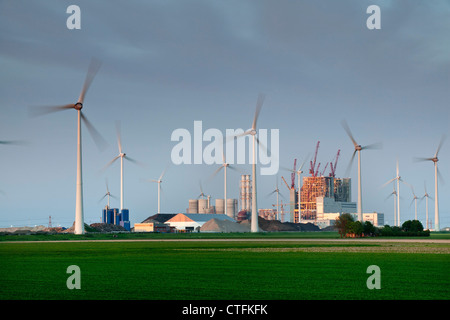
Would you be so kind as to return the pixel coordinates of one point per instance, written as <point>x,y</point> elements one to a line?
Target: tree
<point>368,228</point>
<point>356,228</point>
<point>343,223</point>
<point>412,226</point>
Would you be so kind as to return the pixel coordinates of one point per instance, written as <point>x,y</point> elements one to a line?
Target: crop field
<point>221,269</point>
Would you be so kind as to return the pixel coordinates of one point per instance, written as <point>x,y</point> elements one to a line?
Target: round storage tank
<point>202,205</point>
<point>231,208</point>
<point>219,206</point>
<point>193,206</point>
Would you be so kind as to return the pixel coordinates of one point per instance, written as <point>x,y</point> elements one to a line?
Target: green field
<point>223,270</point>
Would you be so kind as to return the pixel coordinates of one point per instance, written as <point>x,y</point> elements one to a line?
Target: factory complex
<point>318,200</point>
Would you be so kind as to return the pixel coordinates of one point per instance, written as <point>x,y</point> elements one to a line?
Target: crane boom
<point>313,164</point>
<point>293,175</point>
<point>285,183</point>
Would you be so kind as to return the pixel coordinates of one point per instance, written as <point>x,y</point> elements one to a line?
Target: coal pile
<point>278,226</point>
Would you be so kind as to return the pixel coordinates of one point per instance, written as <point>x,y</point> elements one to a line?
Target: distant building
<point>193,222</point>
<point>114,216</point>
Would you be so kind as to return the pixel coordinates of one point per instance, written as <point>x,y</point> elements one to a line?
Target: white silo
<point>231,208</point>
<point>220,209</point>
<point>202,205</point>
<point>193,206</point>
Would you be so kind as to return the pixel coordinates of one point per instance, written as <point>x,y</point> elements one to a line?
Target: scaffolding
<point>312,188</point>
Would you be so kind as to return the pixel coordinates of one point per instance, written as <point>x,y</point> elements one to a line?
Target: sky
<point>166,64</point>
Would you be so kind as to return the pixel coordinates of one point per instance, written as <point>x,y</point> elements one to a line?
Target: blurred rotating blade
<point>96,136</point>
<point>94,66</point>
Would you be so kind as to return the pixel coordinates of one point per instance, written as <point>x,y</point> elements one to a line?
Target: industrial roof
<point>203,217</point>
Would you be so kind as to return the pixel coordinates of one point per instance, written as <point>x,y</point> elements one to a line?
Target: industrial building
<point>203,206</point>
<point>193,222</point>
<point>323,197</point>
<point>113,216</point>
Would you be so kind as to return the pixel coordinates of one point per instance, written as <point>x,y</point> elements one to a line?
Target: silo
<point>193,206</point>
<point>220,209</point>
<point>231,208</point>
<point>202,205</point>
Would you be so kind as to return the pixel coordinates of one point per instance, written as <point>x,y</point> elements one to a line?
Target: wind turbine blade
<point>271,193</point>
<point>39,111</point>
<point>235,169</point>
<point>163,173</point>
<point>259,104</point>
<point>94,66</point>
<point>384,185</point>
<point>215,172</point>
<point>102,198</point>
<point>440,145</point>
<point>262,146</point>
<point>242,134</point>
<point>347,172</point>
<point>349,133</point>
<point>96,136</point>
<point>106,183</point>
<point>113,196</point>
<point>119,140</point>
<point>440,177</point>
<point>109,163</point>
<point>13,142</point>
<point>416,159</point>
<point>134,161</point>
<point>377,145</point>
<point>301,166</point>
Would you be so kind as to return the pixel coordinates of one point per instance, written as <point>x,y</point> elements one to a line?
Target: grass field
<point>224,270</point>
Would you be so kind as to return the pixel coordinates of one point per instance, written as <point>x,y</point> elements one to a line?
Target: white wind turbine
<point>414,199</point>
<point>253,132</point>
<point>107,194</point>
<point>159,181</point>
<point>398,179</point>
<point>394,193</point>
<point>92,71</point>
<point>122,156</point>
<point>277,191</point>
<point>299,174</point>
<point>224,165</point>
<point>436,173</point>
<point>426,195</point>
<point>358,149</point>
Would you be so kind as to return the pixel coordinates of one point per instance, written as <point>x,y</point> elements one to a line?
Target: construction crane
<point>293,175</point>
<point>333,167</point>
<point>313,164</point>
<point>286,183</point>
<point>323,171</point>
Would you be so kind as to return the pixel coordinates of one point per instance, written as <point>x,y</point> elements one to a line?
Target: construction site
<point>319,197</point>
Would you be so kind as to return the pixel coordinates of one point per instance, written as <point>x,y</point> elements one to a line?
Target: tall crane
<point>313,164</point>
<point>323,171</point>
<point>293,175</point>
<point>285,183</point>
<point>333,167</point>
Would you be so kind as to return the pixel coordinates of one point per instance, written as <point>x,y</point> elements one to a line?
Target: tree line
<point>349,228</point>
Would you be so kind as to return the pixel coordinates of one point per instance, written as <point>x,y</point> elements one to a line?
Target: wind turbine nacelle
<point>78,106</point>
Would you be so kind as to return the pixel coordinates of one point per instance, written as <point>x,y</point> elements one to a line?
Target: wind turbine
<point>299,173</point>
<point>436,173</point>
<point>426,195</point>
<point>122,156</point>
<point>224,165</point>
<point>92,71</point>
<point>159,181</point>
<point>107,194</point>
<point>394,193</point>
<point>277,191</point>
<point>414,199</point>
<point>398,179</point>
<point>358,148</point>
<point>253,132</point>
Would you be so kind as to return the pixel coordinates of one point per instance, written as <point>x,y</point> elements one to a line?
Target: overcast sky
<point>166,64</point>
